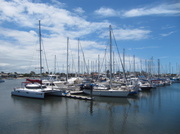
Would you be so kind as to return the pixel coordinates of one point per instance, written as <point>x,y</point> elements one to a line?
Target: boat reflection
<point>36,105</point>
<point>116,109</point>
<point>108,102</point>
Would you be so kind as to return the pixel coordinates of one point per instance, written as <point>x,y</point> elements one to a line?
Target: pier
<point>81,97</point>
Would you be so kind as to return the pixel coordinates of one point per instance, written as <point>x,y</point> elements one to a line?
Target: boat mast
<point>124,58</point>
<point>110,42</point>
<point>40,50</point>
<point>54,64</point>
<point>98,66</point>
<point>78,60</point>
<point>158,68</point>
<point>67,58</point>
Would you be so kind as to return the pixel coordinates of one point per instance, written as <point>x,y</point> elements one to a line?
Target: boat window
<point>36,87</point>
<point>51,84</point>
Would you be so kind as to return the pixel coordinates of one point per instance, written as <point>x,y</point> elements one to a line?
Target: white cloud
<point>60,4</point>
<point>19,37</point>
<point>106,12</point>
<point>142,48</point>
<point>18,46</point>
<point>4,64</point>
<point>26,14</point>
<point>79,10</point>
<point>166,34</point>
<point>129,34</point>
<point>55,20</point>
<point>164,9</point>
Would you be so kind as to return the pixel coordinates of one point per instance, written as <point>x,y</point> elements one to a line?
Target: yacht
<point>119,91</point>
<point>34,88</point>
<point>112,91</point>
<point>145,85</point>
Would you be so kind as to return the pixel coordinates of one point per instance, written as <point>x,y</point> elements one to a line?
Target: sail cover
<point>34,81</point>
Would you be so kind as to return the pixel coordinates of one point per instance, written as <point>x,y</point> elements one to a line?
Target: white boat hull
<point>108,93</point>
<point>26,93</point>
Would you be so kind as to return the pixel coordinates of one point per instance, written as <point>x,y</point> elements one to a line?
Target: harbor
<point>80,67</point>
<point>156,111</point>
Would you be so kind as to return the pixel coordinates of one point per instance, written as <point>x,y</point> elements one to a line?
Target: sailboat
<point>122,91</point>
<point>67,85</point>
<point>34,88</point>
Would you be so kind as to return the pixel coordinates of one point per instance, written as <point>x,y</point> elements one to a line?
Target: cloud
<point>26,14</point>
<point>129,34</point>
<point>79,10</point>
<point>106,12</point>
<point>142,48</point>
<point>166,34</point>
<point>4,64</point>
<point>164,9</point>
<point>59,4</point>
<point>19,32</point>
<point>54,20</point>
<point>19,37</point>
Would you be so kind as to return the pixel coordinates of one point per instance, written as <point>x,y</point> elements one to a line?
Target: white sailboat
<point>65,85</point>
<point>35,88</point>
<point>32,89</point>
<point>122,91</point>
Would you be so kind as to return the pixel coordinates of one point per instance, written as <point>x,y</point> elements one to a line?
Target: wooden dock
<point>78,97</point>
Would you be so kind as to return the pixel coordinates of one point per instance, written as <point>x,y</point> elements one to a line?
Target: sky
<point>145,30</point>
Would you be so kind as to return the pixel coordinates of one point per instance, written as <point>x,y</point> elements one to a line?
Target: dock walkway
<point>78,97</point>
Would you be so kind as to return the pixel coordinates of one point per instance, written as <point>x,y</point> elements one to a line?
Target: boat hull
<point>29,94</point>
<point>55,93</point>
<point>146,88</point>
<point>107,93</point>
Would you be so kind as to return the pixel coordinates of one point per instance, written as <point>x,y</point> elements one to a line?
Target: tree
<point>32,73</point>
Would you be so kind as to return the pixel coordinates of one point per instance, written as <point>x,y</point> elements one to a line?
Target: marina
<point>156,111</point>
<point>75,67</point>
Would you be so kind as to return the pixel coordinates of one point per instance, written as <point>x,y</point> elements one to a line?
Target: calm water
<point>155,112</point>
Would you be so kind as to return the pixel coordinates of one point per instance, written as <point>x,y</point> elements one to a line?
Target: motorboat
<point>32,89</point>
<point>145,85</point>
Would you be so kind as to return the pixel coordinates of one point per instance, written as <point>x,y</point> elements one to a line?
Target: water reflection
<point>36,105</point>
<point>116,111</point>
<point>108,101</point>
<point>112,113</point>
<point>34,115</point>
<point>91,107</point>
<point>146,113</point>
<point>112,101</point>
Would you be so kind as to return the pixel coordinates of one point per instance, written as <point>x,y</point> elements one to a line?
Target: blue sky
<point>144,28</point>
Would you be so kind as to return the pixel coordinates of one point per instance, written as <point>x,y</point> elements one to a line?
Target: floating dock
<point>78,97</point>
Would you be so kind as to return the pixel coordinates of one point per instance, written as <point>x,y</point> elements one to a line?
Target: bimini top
<point>34,81</point>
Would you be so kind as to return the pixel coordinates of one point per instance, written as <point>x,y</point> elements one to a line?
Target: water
<point>155,112</point>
